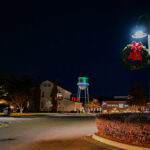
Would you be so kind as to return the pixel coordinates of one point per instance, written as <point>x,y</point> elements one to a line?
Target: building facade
<point>94,106</point>
<point>46,88</point>
<point>115,106</point>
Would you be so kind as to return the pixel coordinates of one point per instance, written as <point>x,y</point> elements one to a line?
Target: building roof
<point>59,88</point>
<point>115,100</point>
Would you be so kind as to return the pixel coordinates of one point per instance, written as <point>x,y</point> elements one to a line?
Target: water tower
<point>83,86</point>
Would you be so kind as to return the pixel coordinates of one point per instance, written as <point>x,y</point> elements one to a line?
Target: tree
<point>35,100</point>
<point>21,93</point>
<point>138,96</point>
<point>54,95</point>
<point>20,98</point>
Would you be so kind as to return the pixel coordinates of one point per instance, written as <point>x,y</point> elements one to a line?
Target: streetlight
<point>140,34</point>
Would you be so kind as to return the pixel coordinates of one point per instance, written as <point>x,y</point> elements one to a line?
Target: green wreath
<point>135,64</point>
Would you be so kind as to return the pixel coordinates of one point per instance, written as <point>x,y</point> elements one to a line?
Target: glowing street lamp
<point>139,34</point>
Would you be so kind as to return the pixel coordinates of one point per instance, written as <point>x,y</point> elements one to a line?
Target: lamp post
<point>140,34</point>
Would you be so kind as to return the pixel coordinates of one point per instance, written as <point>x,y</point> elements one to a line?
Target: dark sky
<point>67,39</point>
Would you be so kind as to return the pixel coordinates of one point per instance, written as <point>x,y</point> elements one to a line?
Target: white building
<point>46,95</point>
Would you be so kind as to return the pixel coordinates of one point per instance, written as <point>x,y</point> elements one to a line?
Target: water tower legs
<point>86,96</point>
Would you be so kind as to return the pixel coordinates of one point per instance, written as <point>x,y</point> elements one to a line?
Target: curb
<point>117,144</point>
<point>51,114</point>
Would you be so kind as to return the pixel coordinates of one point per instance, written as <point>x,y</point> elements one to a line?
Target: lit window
<point>120,105</point>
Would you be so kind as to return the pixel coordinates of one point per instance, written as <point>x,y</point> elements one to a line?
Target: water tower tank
<point>83,83</point>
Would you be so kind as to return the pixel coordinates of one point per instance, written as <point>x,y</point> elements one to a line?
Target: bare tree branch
<point>20,99</point>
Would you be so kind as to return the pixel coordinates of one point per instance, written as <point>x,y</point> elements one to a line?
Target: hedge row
<point>125,128</point>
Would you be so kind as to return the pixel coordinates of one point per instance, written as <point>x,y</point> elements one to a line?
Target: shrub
<point>129,128</point>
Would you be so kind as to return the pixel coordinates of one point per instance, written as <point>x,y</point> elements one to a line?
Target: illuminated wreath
<point>135,56</point>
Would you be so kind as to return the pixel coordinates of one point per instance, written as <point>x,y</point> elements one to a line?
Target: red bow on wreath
<point>135,53</point>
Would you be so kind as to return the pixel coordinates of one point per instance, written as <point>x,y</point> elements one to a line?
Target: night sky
<point>67,39</point>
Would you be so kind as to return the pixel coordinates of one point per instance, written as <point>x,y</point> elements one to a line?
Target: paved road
<point>49,132</point>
